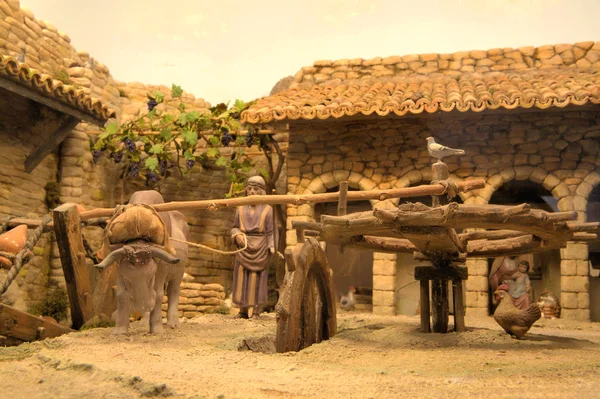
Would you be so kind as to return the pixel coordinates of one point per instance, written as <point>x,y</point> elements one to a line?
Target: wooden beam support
<point>296,199</point>
<point>67,228</point>
<point>424,307</point>
<point>439,308</point>
<point>26,327</point>
<point>49,101</point>
<point>441,273</point>
<point>343,200</point>
<point>50,143</point>
<point>459,307</point>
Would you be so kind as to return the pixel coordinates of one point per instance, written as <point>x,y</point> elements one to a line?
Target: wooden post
<point>343,201</point>
<point>459,309</point>
<point>67,228</point>
<point>424,307</point>
<point>439,172</point>
<point>439,310</point>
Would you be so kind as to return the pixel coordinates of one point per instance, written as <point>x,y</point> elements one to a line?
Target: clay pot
<point>12,242</point>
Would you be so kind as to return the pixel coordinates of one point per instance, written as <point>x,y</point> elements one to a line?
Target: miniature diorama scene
<point>413,225</point>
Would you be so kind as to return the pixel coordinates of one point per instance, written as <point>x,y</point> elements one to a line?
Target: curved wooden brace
<point>306,312</point>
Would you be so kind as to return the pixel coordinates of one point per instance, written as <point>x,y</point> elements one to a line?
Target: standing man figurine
<point>253,224</point>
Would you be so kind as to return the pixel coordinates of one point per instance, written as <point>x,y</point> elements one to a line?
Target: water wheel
<point>306,312</point>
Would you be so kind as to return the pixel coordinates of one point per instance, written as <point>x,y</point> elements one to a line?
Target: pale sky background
<point>225,49</point>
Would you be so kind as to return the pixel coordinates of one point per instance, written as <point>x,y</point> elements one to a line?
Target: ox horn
<point>163,255</point>
<point>112,257</point>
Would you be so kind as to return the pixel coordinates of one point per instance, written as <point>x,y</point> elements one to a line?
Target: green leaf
<point>239,105</point>
<point>221,161</point>
<point>151,163</point>
<point>214,140</point>
<point>181,107</point>
<point>188,154</point>
<point>158,96</point>
<point>112,128</point>
<point>193,116</point>
<point>151,113</point>
<point>99,145</point>
<point>103,136</point>
<point>240,139</point>
<point>166,118</point>
<point>212,152</point>
<point>176,91</point>
<point>190,136</point>
<point>156,149</point>
<point>166,134</point>
<point>263,172</point>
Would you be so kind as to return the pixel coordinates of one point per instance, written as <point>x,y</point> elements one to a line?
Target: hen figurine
<point>513,320</point>
<point>347,301</point>
<point>439,151</point>
<point>549,305</point>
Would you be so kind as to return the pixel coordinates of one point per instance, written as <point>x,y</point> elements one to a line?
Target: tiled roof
<point>475,81</point>
<point>76,98</point>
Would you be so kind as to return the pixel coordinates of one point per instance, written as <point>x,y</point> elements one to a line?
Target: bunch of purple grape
<point>249,139</point>
<point>151,177</point>
<point>190,163</point>
<point>129,144</point>
<point>152,104</point>
<point>96,156</point>
<point>162,166</point>
<point>226,137</point>
<point>134,169</point>
<point>117,157</point>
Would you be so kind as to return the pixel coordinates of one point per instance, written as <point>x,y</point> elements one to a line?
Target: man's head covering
<point>257,181</point>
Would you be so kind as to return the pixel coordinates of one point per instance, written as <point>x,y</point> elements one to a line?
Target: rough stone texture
<point>391,153</point>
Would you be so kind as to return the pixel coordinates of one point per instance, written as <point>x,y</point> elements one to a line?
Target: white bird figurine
<point>439,151</point>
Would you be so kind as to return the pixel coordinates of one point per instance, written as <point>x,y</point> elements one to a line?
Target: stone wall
<point>558,150</point>
<point>582,55</point>
<point>23,124</point>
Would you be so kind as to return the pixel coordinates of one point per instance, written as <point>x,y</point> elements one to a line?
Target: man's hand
<point>239,241</point>
<point>272,250</point>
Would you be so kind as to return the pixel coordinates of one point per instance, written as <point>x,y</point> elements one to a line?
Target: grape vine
<point>154,146</point>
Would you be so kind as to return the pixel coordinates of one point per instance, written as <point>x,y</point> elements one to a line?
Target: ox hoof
<point>159,329</point>
<point>173,324</point>
<point>119,330</point>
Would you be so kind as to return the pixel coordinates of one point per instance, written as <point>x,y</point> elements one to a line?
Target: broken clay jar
<point>12,242</point>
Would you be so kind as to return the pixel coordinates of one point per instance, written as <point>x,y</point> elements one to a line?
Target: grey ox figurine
<point>138,240</point>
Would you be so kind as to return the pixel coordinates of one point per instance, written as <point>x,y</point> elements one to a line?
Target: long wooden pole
<point>434,189</point>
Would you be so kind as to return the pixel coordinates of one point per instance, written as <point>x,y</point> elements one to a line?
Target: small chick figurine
<point>347,301</point>
<point>439,151</point>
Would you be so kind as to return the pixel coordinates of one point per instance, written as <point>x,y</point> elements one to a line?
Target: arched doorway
<point>351,267</point>
<point>593,215</point>
<point>544,272</point>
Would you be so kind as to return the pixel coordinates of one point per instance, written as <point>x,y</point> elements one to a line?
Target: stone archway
<point>589,191</point>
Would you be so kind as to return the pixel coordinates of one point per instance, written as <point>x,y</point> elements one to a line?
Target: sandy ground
<point>371,357</point>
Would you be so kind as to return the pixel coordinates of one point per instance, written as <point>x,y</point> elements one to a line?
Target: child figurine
<point>520,286</point>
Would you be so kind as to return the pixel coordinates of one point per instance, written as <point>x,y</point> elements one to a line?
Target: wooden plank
<point>49,101</point>
<point>50,143</point>
<point>216,204</point>
<point>343,200</point>
<point>424,307</point>
<point>67,228</point>
<point>26,327</point>
<point>439,309</point>
<point>459,308</point>
<point>441,273</point>
<point>439,171</point>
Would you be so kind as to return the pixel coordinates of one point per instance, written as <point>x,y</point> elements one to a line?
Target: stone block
<point>568,300</point>
<point>575,314</point>
<point>477,283</point>
<point>388,298</point>
<point>384,283</point>
<point>384,310</point>
<point>583,300</point>
<point>568,267</point>
<point>583,267</point>
<point>574,251</point>
<point>560,191</point>
<point>550,182</point>
<point>574,284</point>
<point>384,268</point>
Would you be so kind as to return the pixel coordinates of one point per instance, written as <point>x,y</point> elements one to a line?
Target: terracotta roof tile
<point>415,94</point>
<point>527,77</point>
<point>44,84</point>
